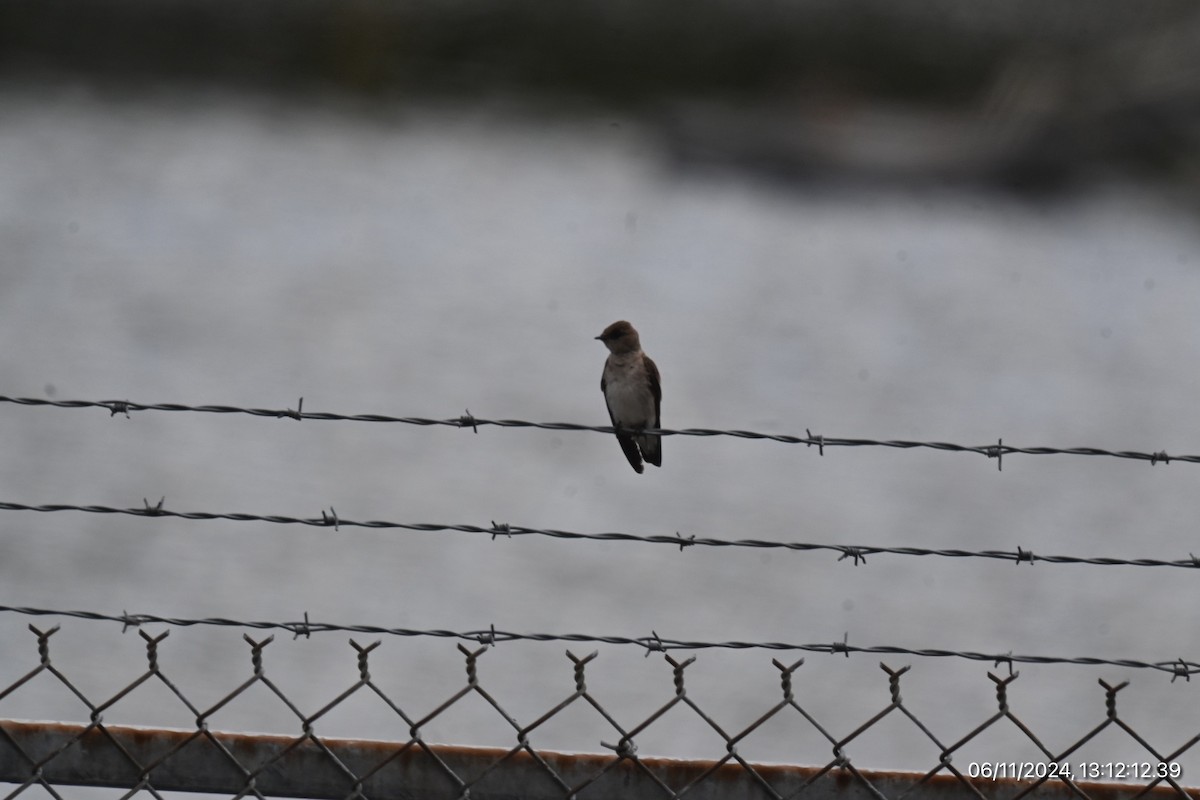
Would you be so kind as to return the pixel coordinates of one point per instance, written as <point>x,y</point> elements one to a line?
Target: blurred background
<point>920,220</point>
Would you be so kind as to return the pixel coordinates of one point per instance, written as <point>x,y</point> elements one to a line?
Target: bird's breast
<point>627,391</point>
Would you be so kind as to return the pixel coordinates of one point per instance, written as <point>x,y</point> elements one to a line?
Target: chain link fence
<point>97,750</point>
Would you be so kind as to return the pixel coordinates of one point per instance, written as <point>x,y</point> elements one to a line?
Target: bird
<point>633,394</point>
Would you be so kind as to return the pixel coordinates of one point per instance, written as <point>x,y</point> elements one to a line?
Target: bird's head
<point>620,337</point>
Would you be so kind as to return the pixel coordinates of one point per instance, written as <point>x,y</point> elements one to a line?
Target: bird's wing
<point>652,445</point>
<point>655,389</point>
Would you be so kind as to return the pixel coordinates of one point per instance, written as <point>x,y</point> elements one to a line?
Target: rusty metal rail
<point>284,766</point>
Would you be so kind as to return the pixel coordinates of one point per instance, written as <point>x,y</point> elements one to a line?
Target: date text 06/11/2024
<point>1081,770</point>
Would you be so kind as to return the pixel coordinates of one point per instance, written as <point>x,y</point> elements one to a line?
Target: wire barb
<point>117,407</point>
<point>301,628</point>
<point>855,553</point>
<point>997,453</point>
<point>331,518</point>
<point>819,439</point>
<point>298,414</point>
<point>843,646</point>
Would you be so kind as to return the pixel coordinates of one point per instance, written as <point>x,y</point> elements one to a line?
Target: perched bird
<point>632,392</point>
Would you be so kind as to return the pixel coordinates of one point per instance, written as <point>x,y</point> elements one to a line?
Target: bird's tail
<point>651,447</point>
<point>630,449</point>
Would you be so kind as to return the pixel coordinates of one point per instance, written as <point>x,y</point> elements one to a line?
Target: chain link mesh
<point>305,763</point>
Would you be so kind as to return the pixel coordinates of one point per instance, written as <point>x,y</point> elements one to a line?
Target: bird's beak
<point>601,338</point>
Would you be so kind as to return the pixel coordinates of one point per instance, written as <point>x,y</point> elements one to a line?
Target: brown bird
<point>632,392</point>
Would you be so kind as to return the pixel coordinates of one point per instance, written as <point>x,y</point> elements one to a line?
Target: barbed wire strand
<point>856,553</point>
<point>997,451</point>
<point>652,644</point>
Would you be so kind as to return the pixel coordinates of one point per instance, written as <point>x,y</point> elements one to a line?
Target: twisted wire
<point>856,553</point>
<point>653,643</point>
<point>467,420</point>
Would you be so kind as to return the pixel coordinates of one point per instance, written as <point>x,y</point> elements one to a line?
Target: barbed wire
<point>467,420</point>
<point>1179,668</point>
<point>856,553</point>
